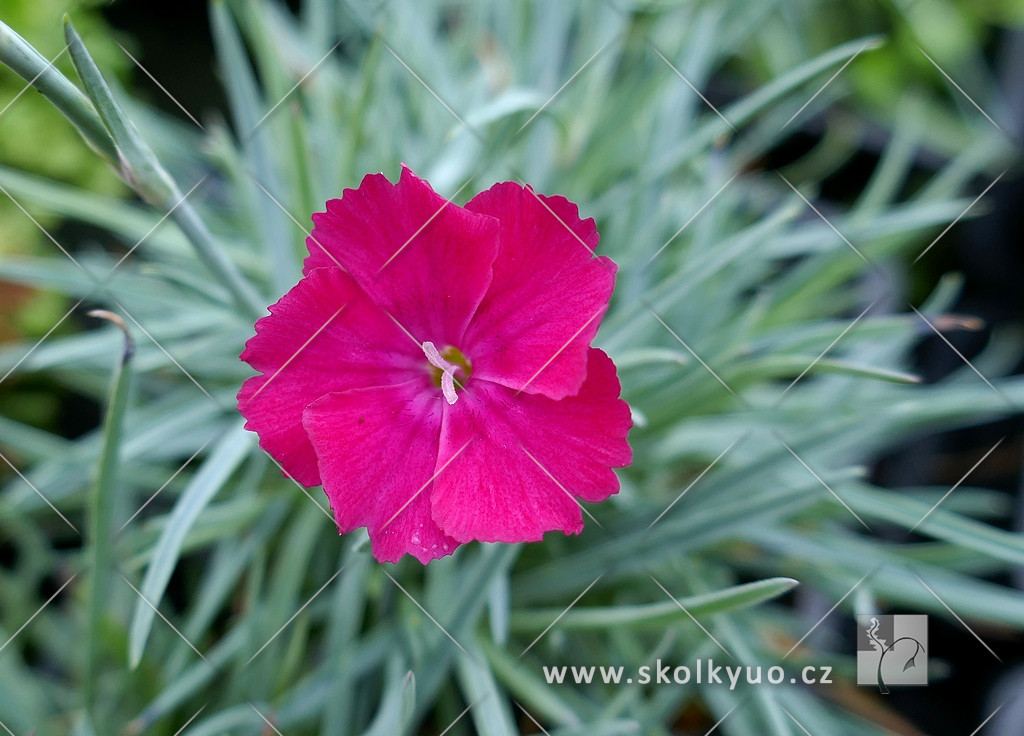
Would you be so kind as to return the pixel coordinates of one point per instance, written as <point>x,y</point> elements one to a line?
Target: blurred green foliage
<point>32,139</point>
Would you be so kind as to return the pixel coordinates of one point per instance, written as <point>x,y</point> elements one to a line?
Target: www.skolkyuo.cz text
<point>702,672</point>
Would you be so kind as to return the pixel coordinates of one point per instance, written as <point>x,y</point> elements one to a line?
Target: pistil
<point>447,371</point>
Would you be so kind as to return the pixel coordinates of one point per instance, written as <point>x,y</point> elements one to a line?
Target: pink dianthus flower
<point>433,369</point>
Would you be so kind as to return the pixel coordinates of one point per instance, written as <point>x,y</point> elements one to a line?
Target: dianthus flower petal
<point>324,335</point>
<point>547,297</point>
<point>377,450</point>
<point>422,258</point>
<point>513,466</point>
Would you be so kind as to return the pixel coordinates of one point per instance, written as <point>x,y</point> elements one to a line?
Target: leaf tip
<point>789,583</point>
<point>129,343</point>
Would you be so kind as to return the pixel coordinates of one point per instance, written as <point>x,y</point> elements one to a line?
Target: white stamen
<point>447,371</point>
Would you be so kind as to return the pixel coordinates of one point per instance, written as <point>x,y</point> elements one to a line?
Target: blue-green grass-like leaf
<point>655,615</point>
<point>224,458</point>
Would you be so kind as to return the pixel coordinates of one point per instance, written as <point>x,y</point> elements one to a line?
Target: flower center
<point>444,365</point>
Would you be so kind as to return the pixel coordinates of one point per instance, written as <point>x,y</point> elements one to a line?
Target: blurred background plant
<point>35,141</point>
<point>767,177</point>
